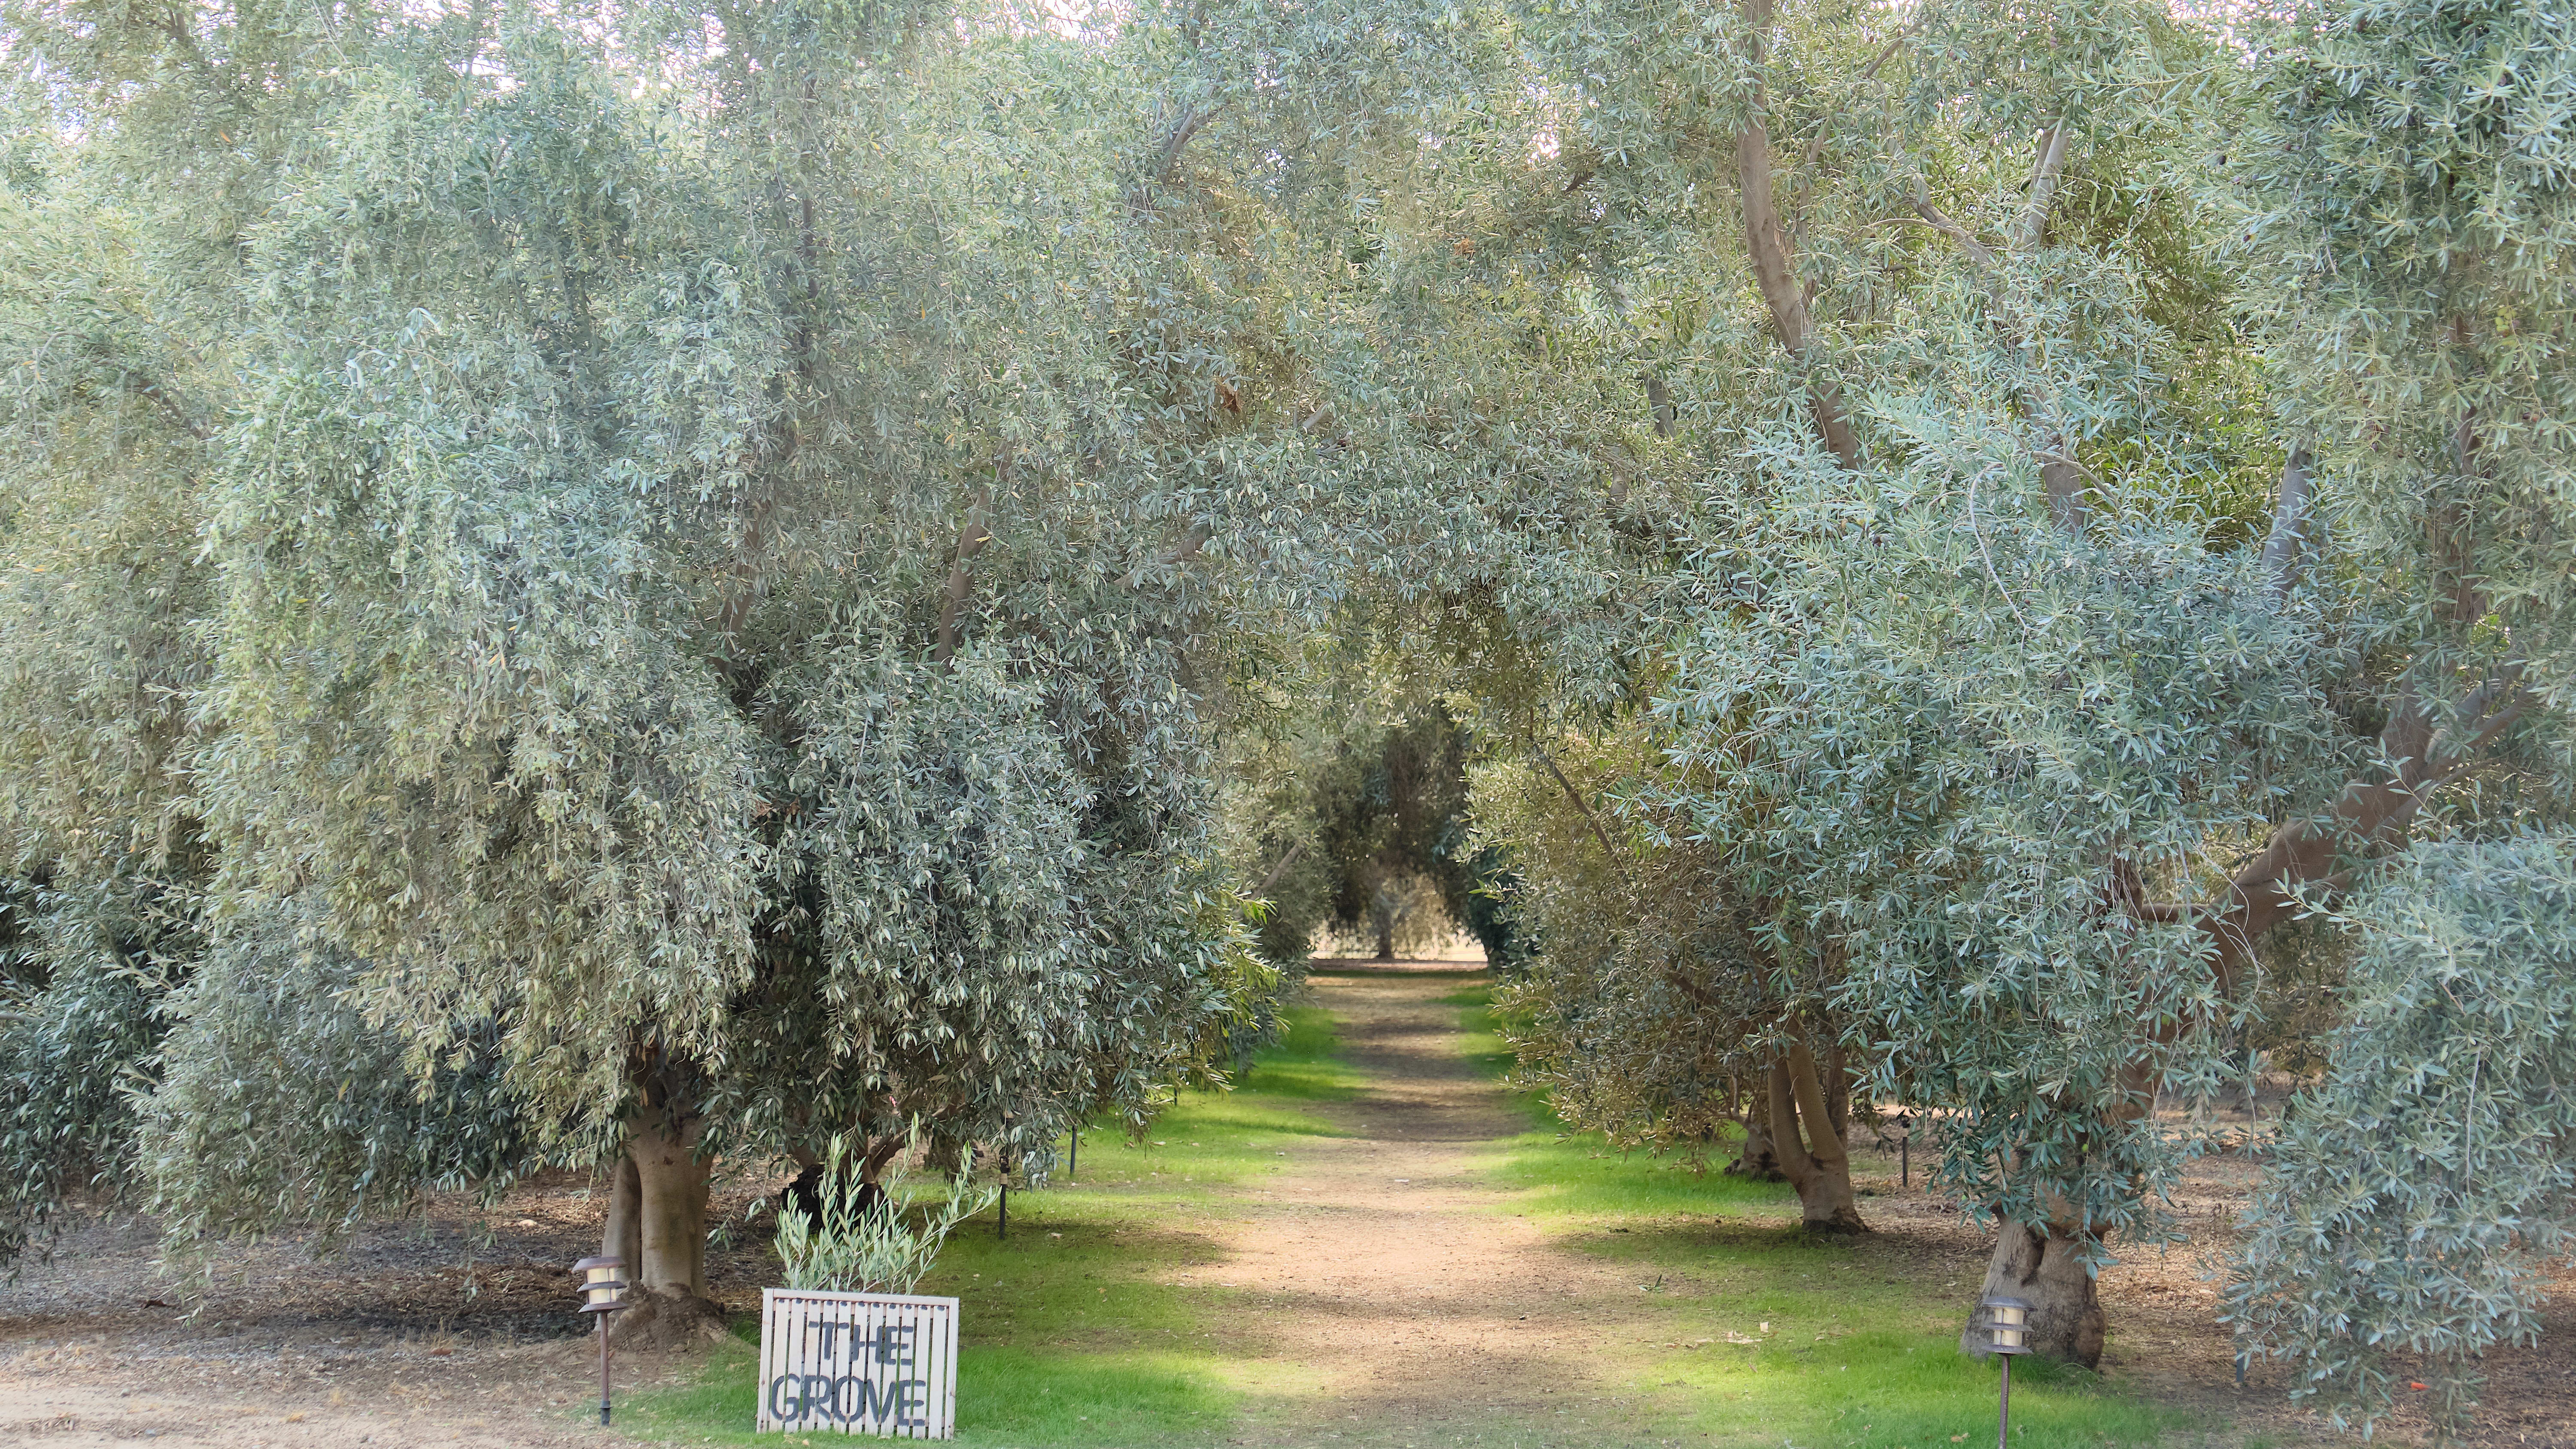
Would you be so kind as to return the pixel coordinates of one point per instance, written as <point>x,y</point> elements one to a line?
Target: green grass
<point>1004,1396</point>
<point>1852,1345</point>
<point>1567,1174</point>
<point>1849,1347</point>
<point>1069,1336</point>
<point>1219,1138</point>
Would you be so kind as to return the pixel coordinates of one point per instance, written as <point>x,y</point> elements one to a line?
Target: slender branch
<point>749,582</point>
<point>1885,52</point>
<point>1182,552</point>
<point>1580,805</point>
<point>1189,125</point>
<point>1168,155</point>
<point>1816,147</point>
<point>153,392</point>
<point>2043,187</point>
<point>2490,727</point>
<point>1943,223</point>
<point>1276,871</point>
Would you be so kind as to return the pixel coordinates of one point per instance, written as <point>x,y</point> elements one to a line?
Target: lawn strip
<point>1766,1334</point>
<point>1070,1335</point>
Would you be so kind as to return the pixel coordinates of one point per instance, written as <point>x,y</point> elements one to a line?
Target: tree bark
<point>2061,478</point>
<point>1757,1160</point>
<point>671,1199</point>
<point>1817,1162</point>
<point>1775,270</point>
<point>621,1233</point>
<point>2043,1266</point>
<point>2285,547</point>
<point>971,538</point>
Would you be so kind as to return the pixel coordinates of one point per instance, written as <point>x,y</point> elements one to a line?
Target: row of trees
<point>2161,542</point>
<point>640,584</point>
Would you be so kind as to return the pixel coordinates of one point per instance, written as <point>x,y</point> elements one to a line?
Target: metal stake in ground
<point>603,1293</point>
<point>2006,1322</point>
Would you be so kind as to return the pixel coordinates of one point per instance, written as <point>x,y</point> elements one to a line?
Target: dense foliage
<point>2406,1211</point>
<point>654,582</point>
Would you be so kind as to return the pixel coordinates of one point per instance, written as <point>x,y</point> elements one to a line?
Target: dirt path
<point>1396,1281</point>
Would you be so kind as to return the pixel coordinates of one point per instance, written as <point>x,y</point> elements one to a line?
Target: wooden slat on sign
<point>858,1363</point>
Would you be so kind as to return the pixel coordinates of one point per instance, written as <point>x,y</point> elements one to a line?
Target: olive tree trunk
<point>2043,1265</point>
<point>658,1208</point>
<point>671,1202</point>
<point>1808,1140</point>
<point>1757,1160</point>
<point>621,1234</point>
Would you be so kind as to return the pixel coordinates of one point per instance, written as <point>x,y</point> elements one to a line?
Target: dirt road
<point>1406,1292</point>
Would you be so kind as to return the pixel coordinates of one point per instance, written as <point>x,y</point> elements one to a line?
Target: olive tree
<point>2005,697</point>
<point>2407,184</point>
<point>2419,1193</point>
<point>638,570</point>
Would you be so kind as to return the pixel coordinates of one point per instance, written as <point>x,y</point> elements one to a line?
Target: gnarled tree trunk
<point>1816,1159</point>
<point>2043,1265</point>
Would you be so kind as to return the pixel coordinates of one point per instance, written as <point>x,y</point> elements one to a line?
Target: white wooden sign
<point>858,1363</point>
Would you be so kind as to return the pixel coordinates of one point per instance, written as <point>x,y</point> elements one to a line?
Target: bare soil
<point>1400,1297</point>
<point>443,1331</point>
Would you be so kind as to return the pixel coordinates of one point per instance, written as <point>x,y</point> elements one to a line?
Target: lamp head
<point>2008,1324</point>
<point>602,1290</point>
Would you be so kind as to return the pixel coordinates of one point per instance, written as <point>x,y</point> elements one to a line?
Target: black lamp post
<point>602,1293</point>
<point>2007,1328</point>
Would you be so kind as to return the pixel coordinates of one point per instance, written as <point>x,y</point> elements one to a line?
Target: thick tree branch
<point>1796,1163</point>
<point>2285,547</point>
<point>2424,753</point>
<point>2042,190</point>
<point>1774,269</point>
<point>1823,1144</point>
<point>971,539</point>
<point>2370,814</point>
